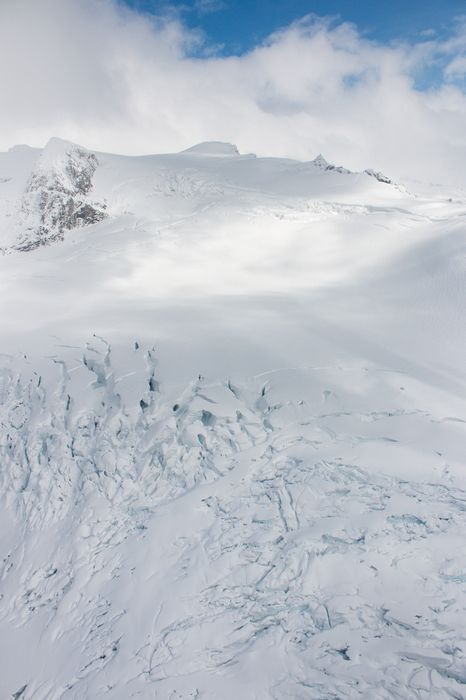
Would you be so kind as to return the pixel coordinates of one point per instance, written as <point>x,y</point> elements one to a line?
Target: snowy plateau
<point>233,422</point>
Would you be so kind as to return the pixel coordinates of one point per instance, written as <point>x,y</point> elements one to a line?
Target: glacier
<point>233,418</point>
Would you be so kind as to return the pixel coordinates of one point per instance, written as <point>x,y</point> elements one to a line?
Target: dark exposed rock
<point>321,163</point>
<point>56,197</point>
<point>379,176</point>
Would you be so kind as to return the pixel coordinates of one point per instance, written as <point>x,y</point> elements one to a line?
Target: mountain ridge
<point>58,193</point>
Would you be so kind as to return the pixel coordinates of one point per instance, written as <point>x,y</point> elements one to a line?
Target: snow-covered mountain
<point>233,421</point>
<point>64,186</point>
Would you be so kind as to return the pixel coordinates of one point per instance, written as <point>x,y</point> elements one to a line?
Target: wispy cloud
<point>113,79</point>
<point>205,7</point>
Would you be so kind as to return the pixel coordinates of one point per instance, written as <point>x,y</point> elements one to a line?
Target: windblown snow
<point>233,422</point>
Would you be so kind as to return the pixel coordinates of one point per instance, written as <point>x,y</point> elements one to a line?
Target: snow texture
<point>233,418</point>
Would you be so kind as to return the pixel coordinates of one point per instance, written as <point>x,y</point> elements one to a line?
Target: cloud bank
<point>112,79</point>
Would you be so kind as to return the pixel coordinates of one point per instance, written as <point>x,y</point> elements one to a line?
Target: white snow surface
<point>233,422</point>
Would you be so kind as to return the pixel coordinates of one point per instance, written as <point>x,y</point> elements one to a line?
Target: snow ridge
<point>213,148</point>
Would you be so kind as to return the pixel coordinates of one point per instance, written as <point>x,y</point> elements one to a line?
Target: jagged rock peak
<point>56,195</point>
<point>323,164</point>
<point>320,161</point>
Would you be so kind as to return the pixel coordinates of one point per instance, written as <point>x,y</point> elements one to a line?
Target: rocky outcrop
<point>56,198</point>
<point>321,163</point>
<point>379,176</point>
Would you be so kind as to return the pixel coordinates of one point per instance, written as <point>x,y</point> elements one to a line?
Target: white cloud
<point>111,79</point>
<point>456,69</point>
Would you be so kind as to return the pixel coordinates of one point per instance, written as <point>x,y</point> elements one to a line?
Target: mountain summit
<point>214,148</point>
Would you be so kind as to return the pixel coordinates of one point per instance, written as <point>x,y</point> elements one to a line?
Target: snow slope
<point>233,415</point>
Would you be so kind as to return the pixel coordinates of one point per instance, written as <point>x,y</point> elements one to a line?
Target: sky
<point>368,84</point>
<point>236,26</point>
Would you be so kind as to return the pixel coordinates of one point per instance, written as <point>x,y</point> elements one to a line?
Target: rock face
<point>379,176</point>
<point>323,164</point>
<point>56,196</point>
<point>385,180</point>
